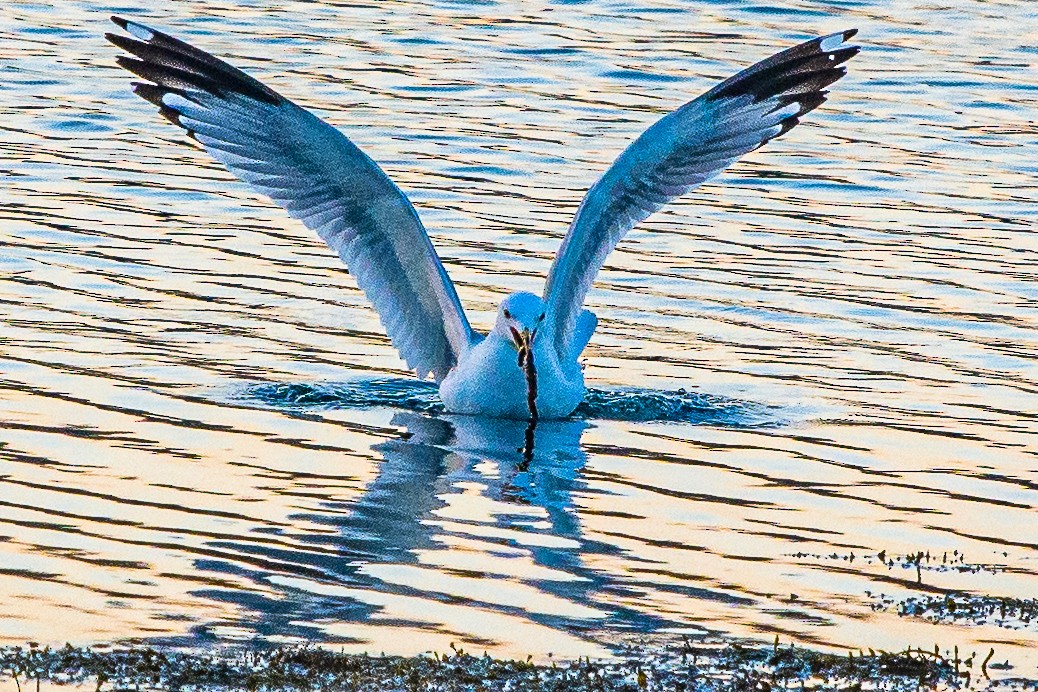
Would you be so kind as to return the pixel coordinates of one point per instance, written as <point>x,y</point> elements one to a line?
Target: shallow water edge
<point>681,666</point>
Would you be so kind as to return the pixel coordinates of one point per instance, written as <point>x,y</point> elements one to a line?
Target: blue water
<point>826,355</point>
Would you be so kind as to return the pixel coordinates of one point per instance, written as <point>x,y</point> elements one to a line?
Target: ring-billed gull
<point>527,366</point>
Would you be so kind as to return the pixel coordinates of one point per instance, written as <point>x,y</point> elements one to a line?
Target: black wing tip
<point>128,63</point>
<point>153,94</point>
<point>806,103</point>
<point>174,64</point>
<point>119,41</point>
<point>804,69</point>
<point>150,92</point>
<point>838,56</point>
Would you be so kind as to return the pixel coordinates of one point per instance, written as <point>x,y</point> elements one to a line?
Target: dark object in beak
<point>524,345</point>
<point>528,446</point>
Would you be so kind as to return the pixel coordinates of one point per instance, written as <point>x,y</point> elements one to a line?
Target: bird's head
<point>518,319</point>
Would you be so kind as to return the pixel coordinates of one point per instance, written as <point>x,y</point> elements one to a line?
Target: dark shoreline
<point>686,666</point>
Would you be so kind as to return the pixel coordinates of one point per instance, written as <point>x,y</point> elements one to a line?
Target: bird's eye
<point>508,315</point>
<point>541,318</point>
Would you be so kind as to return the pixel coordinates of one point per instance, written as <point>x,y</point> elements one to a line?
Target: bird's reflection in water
<point>504,486</point>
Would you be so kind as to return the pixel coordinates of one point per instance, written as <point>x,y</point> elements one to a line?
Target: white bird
<point>527,366</point>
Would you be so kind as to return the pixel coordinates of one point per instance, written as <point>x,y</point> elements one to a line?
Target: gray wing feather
<point>681,151</point>
<point>321,178</point>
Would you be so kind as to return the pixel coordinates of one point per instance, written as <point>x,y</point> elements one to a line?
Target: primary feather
<point>320,177</point>
<point>681,151</point>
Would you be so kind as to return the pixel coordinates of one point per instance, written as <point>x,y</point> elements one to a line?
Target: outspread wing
<point>320,177</point>
<point>682,150</point>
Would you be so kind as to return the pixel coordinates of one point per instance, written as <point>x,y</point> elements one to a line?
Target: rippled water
<point>824,358</point>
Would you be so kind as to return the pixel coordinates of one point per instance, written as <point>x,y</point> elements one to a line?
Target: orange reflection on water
<point>864,286</point>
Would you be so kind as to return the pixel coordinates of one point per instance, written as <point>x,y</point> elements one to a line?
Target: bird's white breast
<point>490,382</point>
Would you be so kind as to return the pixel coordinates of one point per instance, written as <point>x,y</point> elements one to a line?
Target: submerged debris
<point>707,668</point>
<point>1011,613</point>
<point>922,561</point>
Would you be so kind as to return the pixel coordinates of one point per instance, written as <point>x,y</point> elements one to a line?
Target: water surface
<point>805,371</point>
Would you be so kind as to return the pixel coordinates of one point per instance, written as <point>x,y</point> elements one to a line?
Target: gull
<point>527,366</point>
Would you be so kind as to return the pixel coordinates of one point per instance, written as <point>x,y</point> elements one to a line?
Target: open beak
<point>523,340</point>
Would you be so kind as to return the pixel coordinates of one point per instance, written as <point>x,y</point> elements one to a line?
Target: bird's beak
<point>523,344</point>
<point>527,339</point>
<point>522,339</point>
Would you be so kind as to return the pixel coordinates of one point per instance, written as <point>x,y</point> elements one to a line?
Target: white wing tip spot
<point>138,31</point>
<point>831,42</point>
<point>175,101</point>
<point>788,111</point>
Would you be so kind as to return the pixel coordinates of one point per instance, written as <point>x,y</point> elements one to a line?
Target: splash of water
<point>646,405</point>
<point>627,404</point>
<point>392,392</point>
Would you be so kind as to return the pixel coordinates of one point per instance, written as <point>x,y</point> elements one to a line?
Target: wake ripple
<point>626,404</point>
